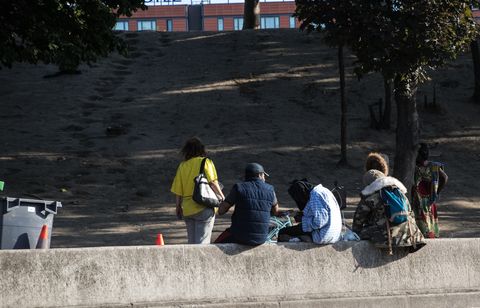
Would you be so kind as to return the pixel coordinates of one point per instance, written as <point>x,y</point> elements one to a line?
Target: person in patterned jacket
<point>370,221</point>
<point>429,180</point>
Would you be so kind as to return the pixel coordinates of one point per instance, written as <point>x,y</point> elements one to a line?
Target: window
<point>292,22</point>
<point>272,22</point>
<point>220,23</point>
<point>146,25</point>
<point>159,2</point>
<point>169,25</point>
<point>237,23</point>
<point>121,26</point>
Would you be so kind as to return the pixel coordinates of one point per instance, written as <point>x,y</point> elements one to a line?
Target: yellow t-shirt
<point>183,183</point>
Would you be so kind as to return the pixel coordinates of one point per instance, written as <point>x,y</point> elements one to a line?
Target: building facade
<point>210,15</point>
<point>476,14</point>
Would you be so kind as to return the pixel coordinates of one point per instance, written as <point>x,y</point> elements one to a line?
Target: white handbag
<point>202,192</point>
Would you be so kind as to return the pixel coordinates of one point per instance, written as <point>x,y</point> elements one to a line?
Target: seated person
<point>370,220</point>
<point>254,202</point>
<point>377,161</point>
<point>321,220</point>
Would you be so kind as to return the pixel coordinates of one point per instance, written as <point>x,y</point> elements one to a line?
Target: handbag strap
<point>202,165</point>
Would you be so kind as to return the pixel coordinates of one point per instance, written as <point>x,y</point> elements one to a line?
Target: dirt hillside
<point>105,142</point>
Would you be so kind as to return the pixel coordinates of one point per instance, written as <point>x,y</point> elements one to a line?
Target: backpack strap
<point>387,225</point>
<point>202,165</point>
<point>388,214</point>
<point>412,236</point>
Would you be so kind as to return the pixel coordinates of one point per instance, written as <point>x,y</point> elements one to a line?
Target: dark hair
<point>193,147</point>
<point>300,190</point>
<point>423,153</point>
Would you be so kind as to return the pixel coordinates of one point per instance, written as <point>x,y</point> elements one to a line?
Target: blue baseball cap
<point>253,169</point>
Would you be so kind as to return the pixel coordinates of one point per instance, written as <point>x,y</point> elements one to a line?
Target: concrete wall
<point>445,273</point>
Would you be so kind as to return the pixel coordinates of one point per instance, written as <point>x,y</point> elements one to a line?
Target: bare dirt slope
<point>106,142</point>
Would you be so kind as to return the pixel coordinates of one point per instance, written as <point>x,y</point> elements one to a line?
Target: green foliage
<point>393,36</point>
<point>62,32</point>
<point>403,37</point>
<point>333,18</point>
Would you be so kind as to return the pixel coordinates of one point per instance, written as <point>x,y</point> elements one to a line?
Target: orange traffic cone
<point>159,240</point>
<point>43,238</point>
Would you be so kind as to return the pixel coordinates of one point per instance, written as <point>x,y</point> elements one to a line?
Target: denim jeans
<point>200,226</point>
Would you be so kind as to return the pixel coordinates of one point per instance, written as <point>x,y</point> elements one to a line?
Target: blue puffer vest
<point>250,220</point>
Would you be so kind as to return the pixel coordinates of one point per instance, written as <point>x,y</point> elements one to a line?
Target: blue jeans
<point>200,226</point>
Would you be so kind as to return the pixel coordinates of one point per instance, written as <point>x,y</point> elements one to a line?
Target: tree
<point>251,14</point>
<point>386,117</point>
<point>333,19</point>
<point>403,42</point>
<point>387,84</point>
<point>65,33</point>
<point>476,69</point>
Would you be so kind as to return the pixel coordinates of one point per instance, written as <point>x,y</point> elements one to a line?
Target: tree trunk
<point>343,104</point>
<point>251,14</point>
<point>388,104</point>
<point>476,70</point>
<point>407,127</point>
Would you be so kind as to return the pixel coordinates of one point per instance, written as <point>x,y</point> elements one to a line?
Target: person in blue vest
<point>255,201</point>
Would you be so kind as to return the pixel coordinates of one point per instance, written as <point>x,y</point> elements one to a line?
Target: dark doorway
<point>195,18</point>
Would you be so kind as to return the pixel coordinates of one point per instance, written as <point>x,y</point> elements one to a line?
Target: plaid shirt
<point>322,216</point>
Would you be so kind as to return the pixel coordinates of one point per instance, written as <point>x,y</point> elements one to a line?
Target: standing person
<point>370,220</point>
<point>428,182</point>
<point>320,214</point>
<point>198,218</point>
<point>254,202</point>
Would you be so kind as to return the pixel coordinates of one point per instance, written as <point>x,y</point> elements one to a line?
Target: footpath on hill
<point>106,142</point>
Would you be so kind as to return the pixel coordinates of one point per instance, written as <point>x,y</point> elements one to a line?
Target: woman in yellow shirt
<point>198,218</point>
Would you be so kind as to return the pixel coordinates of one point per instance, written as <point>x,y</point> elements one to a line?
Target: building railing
<point>199,2</point>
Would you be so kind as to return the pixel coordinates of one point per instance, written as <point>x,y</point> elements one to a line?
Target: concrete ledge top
<point>230,272</point>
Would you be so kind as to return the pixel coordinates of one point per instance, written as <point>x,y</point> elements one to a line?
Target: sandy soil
<point>106,142</point>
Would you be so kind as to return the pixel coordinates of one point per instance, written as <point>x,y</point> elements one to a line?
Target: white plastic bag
<point>349,235</point>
